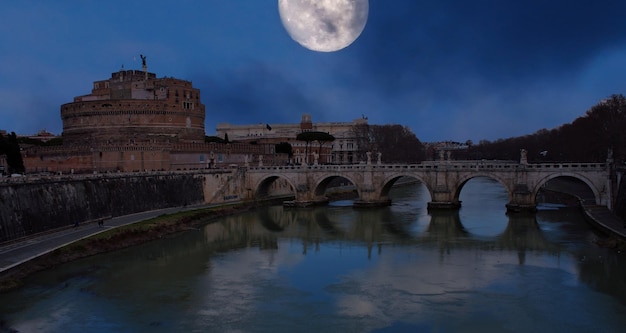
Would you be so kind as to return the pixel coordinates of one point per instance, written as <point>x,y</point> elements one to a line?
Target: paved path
<point>16,253</point>
<point>600,216</point>
<point>606,220</point>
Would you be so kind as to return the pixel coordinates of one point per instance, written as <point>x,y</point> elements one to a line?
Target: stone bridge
<point>443,179</point>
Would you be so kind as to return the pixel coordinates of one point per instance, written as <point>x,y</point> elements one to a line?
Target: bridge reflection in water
<point>355,270</point>
<point>405,223</point>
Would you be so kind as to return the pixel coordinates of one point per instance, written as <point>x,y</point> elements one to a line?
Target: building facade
<point>346,149</point>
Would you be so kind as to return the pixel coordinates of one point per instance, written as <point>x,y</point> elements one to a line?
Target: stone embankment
<point>33,206</point>
<point>599,217</point>
<point>44,251</point>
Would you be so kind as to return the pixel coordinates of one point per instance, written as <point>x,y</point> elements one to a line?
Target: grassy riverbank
<point>117,238</point>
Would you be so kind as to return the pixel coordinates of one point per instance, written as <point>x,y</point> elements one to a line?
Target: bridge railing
<point>570,166</point>
<point>434,165</point>
<point>56,177</point>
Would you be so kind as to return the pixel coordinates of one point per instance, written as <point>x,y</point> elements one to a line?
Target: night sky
<point>450,70</point>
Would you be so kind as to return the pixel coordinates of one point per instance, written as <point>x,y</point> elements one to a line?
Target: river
<point>339,269</point>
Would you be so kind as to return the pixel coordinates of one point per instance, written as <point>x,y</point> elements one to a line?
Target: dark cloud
<point>450,69</point>
<point>409,44</point>
<point>250,94</point>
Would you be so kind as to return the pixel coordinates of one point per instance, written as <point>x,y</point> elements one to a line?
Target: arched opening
<point>339,191</point>
<point>559,215</point>
<point>564,191</point>
<point>409,198</point>
<point>404,189</point>
<point>275,188</point>
<point>483,206</point>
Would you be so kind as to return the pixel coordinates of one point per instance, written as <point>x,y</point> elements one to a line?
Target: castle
<point>135,107</point>
<point>134,121</point>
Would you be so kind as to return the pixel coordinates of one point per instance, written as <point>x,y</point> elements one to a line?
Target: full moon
<point>324,25</point>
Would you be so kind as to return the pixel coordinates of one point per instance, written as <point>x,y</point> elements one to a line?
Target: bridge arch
<point>262,188</point>
<point>392,179</point>
<point>494,176</point>
<point>443,180</point>
<point>322,184</point>
<point>592,187</point>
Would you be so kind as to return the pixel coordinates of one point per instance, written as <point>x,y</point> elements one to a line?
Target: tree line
<point>593,137</point>
<point>396,143</point>
<point>10,147</point>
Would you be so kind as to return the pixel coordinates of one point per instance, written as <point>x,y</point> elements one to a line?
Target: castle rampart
<point>134,121</point>
<point>134,106</point>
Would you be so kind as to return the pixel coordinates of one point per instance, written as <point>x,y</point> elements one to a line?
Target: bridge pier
<point>522,200</point>
<point>517,208</point>
<point>444,205</point>
<point>371,203</point>
<point>304,203</point>
<point>369,197</point>
<point>306,198</point>
<point>443,199</point>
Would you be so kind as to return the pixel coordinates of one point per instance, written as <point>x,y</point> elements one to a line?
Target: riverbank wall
<point>619,207</point>
<point>570,193</point>
<point>33,206</point>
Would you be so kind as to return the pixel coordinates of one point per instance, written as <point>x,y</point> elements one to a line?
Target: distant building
<point>134,121</point>
<point>445,150</point>
<point>344,150</point>
<point>43,136</point>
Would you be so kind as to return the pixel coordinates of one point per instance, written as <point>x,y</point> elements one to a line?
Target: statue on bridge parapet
<point>316,157</point>
<point>523,158</point>
<point>380,158</point>
<point>369,157</point>
<point>445,155</point>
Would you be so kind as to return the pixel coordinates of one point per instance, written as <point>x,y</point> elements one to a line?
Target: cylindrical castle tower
<point>135,107</point>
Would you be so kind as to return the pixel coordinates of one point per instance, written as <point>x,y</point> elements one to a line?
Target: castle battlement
<point>135,121</point>
<point>135,106</point>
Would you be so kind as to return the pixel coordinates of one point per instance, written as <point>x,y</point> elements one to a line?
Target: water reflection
<point>381,227</point>
<point>387,269</point>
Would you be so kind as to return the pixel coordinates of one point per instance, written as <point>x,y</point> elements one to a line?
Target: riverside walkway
<point>22,250</point>
<point>603,219</point>
<point>599,217</point>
